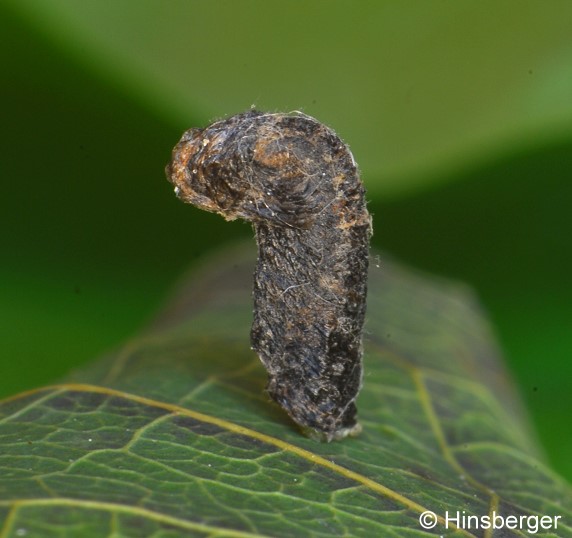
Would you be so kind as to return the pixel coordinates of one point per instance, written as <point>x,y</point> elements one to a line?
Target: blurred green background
<point>459,114</point>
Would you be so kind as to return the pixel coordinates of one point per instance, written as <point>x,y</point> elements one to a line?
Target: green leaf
<point>173,435</point>
<point>415,87</point>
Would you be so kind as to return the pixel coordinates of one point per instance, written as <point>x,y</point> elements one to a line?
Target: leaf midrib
<point>116,507</point>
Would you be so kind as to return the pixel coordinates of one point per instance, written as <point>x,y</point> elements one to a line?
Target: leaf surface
<point>173,436</point>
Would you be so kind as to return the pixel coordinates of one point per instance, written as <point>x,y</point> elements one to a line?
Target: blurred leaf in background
<point>459,114</point>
